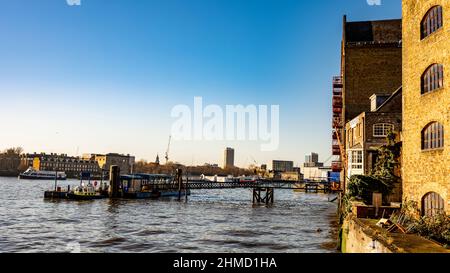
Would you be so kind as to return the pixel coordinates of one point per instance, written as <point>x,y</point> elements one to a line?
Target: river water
<point>217,221</point>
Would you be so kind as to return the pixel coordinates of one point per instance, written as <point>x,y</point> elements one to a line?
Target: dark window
<point>432,204</point>
<point>432,21</point>
<point>433,136</point>
<point>433,78</point>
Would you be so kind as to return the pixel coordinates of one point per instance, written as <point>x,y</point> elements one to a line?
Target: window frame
<point>432,21</point>
<point>357,159</point>
<point>432,78</point>
<point>433,136</point>
<point>385,129</point>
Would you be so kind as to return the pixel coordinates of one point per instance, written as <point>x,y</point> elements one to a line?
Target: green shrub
<point>361,187</point>
<point>436,228</point>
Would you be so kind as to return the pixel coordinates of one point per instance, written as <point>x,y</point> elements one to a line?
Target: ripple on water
<point>148,232</point>
<point>216,220</point>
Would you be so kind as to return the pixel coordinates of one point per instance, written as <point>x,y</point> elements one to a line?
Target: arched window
<point>432,204</point>
<point>433,136</point>
<point>432,21</point>
<point>433,78</point>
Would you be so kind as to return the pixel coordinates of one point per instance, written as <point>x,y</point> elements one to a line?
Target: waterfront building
<point>426,109</point>
<point>367,132</point>
<point>371,63</point>
<point>125,162</point>
<point>228,161</point>
<point>72,166</point>
<point>282,166</point>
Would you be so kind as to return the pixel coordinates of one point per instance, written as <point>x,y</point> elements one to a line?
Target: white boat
<point>42,175</point>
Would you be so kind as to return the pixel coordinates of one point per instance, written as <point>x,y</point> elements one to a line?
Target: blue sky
<point>104,76</point>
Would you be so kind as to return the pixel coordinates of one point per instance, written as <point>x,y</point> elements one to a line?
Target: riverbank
<point>364,236</point>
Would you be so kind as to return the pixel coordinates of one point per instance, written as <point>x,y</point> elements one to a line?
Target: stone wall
<point>425,171</point>
<point>363,236</point>
<point>360,239</point>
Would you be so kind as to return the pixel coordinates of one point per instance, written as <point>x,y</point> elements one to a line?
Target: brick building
<point>72,166</point>
<point>371,63</point>
<point>426,115</point>
<point>125,162</point>
<point>366,133</point>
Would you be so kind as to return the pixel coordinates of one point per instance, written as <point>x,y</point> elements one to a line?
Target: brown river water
<point>217,221</point>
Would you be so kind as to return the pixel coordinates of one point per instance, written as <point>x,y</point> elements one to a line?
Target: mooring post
<point>186,189</point>
<point>180,181</point>
<point>114,180</point>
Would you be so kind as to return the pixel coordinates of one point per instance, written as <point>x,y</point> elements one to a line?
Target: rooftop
<point>383,31</point>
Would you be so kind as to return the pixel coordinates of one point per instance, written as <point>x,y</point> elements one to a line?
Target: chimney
<point>376,100</point>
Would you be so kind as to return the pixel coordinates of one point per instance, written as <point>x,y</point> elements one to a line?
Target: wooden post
<point>114,180</point>
<point>180,181</point>
<point>186,189</point>
<point>377,201</point>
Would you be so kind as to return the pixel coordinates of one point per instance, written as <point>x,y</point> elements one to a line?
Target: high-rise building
<point>228,161</point>
<point>426,109</point>
<point>312,160</point>
<point>282,166</point>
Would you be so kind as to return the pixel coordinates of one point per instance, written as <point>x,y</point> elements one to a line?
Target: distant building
<point>72,166</point>
<point>289,176</point>
<point>125,162</point>
<point>211,165</point>
<point>228,161</point>
<point>282,166</point>
<point>312,160</point>
<point>316,173</point>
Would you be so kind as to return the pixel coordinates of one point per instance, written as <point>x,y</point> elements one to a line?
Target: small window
<point>433,78</point>
<point>356,159</point>
<point>433,136</point>
<point>382,129</point>
<point>431,22</point>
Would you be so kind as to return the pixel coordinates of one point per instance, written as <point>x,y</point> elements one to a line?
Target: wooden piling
<point>180,182</point>
<point>114,182</point>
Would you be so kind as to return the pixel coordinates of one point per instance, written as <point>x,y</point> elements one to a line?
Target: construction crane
<point>168,149</point>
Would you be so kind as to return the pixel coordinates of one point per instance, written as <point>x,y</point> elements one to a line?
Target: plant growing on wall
<point>361,187</point>
<point>383,177</point>
<point>387,162</point>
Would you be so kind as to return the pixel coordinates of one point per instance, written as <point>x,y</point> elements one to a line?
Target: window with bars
<point>432,21</point>
<point>433,136</point>
<point>382,129</point>
<point>433,78</point>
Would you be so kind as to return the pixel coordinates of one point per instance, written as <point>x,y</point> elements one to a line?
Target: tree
<point>387,162</point>
<point>14,151</point>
